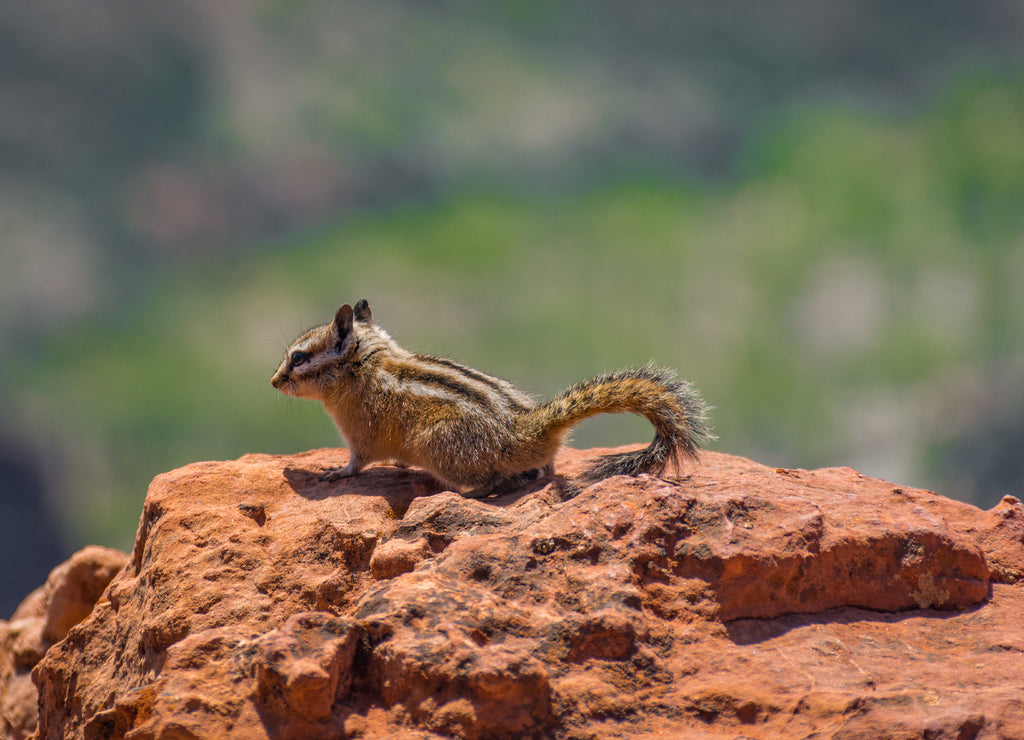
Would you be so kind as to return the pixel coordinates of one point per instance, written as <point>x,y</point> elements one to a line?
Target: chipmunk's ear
<point>342,325</point>
<point>363,312</point>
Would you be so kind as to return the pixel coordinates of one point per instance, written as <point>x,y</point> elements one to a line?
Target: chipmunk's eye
<point>298,358</point>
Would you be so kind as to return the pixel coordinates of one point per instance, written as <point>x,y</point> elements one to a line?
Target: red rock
<point>43,618</point>
<point>732,601</point>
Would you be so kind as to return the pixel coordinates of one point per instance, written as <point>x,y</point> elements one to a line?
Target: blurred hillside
<point>816,213</point>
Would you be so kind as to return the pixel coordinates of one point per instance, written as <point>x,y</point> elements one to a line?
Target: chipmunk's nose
<point>277,380</point>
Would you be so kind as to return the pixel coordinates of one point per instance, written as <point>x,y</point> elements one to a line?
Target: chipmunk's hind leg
<point>508,483</point>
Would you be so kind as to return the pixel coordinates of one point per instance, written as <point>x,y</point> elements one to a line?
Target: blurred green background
<point>814,211</point>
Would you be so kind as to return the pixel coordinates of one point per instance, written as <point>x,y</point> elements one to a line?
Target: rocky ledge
<point>734,600</point>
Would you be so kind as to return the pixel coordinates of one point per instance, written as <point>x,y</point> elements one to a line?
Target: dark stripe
<point>419,375</point>
<point>371,354</point>
<point>480,377</point>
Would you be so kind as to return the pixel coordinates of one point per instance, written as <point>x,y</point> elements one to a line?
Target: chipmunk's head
<point>313,362</point>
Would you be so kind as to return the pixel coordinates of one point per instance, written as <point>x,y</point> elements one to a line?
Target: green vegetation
<point>858,263</point>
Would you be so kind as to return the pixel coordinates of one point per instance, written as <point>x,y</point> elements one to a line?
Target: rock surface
<point>42,619</point>
<point>732,601</point>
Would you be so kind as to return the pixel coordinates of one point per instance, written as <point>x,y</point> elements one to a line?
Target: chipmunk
<point>469,429</point>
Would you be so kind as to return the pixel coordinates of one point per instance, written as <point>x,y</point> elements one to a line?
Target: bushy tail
<point>673,406</point>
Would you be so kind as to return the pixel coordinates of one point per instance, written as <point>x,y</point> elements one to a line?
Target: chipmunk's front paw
<point>355,464</point>
<point>337,474</point>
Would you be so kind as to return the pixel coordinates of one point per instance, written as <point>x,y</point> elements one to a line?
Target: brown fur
<point>470,429</point>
